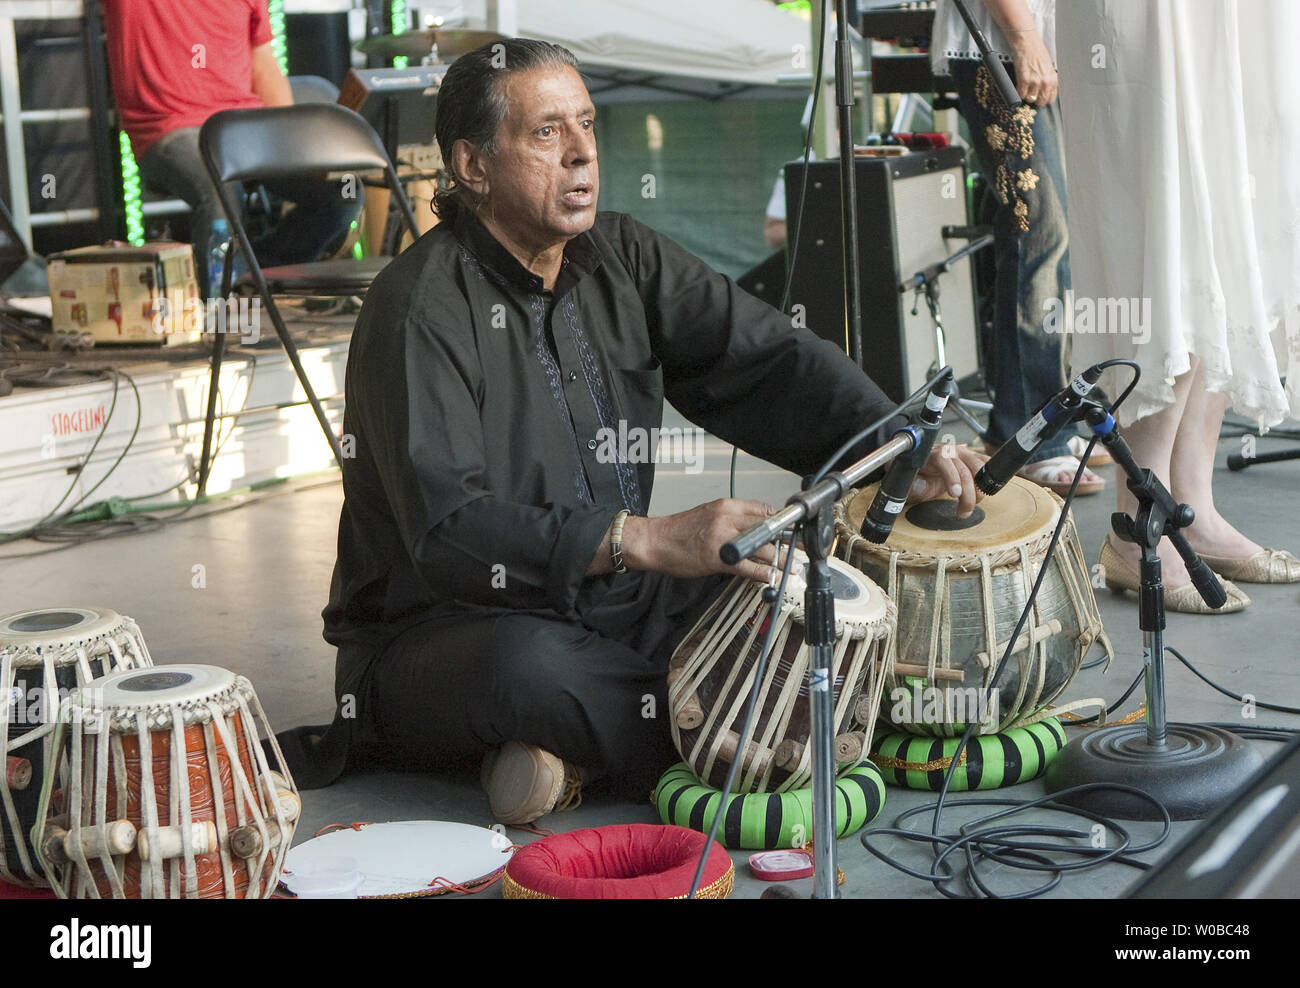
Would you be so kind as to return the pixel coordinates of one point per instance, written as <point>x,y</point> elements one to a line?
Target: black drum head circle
<point>40,622</point>
<point>154,680</point>
<point>941,516</point>
<point>843,587</point>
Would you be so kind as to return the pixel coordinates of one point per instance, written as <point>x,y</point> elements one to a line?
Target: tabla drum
<point>169,792</point>
<point>960,585</point>
<point>45,657</point>
<point>711,672</point>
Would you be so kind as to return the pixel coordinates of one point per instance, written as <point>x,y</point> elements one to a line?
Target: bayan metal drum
<point>960,586</point>
<point>169,792</point>
<point>45,657</point>
<point>712,671</point>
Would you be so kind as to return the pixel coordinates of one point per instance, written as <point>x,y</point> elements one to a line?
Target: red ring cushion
<point>621,861</point>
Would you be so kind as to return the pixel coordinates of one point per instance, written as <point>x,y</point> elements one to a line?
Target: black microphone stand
<point>926,282</point>
<point>811,512</point>
<point>1191,768</point>
<point>844,100</point>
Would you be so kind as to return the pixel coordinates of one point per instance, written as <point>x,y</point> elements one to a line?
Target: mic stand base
<point>1191,768</point>
<point>1196,770</point>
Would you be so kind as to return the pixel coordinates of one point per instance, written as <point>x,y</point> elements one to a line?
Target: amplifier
<point>904,204</point>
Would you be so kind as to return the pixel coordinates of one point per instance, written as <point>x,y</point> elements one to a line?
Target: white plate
<point>393,859</point>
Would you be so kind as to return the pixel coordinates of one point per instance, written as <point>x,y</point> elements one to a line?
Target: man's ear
<point>467,165</point>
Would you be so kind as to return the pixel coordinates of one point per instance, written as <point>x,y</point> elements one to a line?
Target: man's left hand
<point>950,471</point>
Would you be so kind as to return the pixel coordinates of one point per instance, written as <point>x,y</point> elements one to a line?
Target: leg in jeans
<point>175,166</point>
<point>1031,238</point>
<point>319,220</point>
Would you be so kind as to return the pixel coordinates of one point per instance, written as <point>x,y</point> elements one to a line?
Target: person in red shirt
<point>175,65</point>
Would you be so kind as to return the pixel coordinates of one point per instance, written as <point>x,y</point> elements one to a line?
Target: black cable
<point>864,433</point>
<point>1114,706</point>
<point>101,374</point>
<point>968,734</point>
<point>1228,693</point>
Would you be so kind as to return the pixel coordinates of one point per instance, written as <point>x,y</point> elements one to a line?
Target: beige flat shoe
<point>1185,599</point>
<point>1266,566</point>
<point>525,782</point>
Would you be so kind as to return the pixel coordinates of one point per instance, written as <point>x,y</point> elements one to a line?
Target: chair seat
<point>340,276</point>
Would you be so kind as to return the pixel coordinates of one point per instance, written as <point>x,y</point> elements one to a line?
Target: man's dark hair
<point>472,102</point>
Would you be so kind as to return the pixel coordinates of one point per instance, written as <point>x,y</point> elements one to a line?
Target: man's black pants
<point>593,693</point>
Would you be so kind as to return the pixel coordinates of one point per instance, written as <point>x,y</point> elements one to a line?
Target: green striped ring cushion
<point>992,760</point>
<point>762,821</point>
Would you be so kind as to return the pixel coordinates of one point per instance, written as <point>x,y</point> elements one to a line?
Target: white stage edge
<point>46,434</point>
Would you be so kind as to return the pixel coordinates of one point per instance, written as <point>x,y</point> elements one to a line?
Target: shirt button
<point>573,376</point>
<point>591,444</point>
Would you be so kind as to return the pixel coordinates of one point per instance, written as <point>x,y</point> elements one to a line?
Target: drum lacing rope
<point>1011,559</point>
<point>735,613</point>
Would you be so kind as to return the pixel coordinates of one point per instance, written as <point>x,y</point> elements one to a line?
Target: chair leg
<point>292,350</point>
<point>214,379</point>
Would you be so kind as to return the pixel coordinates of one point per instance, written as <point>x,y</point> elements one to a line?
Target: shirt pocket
<point>641,395</point>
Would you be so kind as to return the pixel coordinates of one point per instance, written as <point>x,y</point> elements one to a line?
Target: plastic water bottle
<point>218,244</point>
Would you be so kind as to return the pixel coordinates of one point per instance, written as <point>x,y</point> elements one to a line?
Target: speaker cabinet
<point>904,203</point>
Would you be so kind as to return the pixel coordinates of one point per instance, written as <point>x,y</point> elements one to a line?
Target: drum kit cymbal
<point>433,43</point>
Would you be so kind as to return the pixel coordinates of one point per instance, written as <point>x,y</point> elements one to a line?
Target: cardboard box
<point>124,294</point>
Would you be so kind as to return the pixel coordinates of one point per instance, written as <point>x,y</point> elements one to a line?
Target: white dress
<point>1182,141</point>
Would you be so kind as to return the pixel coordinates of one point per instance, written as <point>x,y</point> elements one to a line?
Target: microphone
<point>897,484</point>
<point>1049,419</point>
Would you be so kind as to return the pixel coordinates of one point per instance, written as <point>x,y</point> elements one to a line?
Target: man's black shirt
<point>475,403</point>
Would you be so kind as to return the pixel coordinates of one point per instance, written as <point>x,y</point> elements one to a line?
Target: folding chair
<point>279,142</point>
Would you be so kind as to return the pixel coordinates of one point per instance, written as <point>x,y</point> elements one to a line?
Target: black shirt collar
<point>582,256</point>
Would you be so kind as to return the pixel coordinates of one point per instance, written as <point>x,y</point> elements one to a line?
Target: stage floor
<point>266,571</point>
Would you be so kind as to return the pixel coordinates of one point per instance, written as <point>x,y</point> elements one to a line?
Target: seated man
<point>499,586</point>
<point>171,70</point>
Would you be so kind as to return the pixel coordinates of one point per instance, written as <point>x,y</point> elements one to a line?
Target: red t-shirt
<point>175,64</point>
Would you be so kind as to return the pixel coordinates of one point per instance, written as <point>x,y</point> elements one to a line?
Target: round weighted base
<point>1197,770</point>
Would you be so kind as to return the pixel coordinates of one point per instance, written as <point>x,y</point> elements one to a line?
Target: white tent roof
<point>750,42</point>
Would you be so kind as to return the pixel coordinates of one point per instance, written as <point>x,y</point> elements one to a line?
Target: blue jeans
<point>318,222</point>
<point>1031,244</point>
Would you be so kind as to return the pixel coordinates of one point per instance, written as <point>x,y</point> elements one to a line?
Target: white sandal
<point>1100,455</point>
<point>1057,473</point>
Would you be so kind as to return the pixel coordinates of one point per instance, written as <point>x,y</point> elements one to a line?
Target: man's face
<point>543,181</point>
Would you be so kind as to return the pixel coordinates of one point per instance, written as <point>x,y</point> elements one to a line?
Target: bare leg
<point>1153,440</point>
<point>1192,473</point>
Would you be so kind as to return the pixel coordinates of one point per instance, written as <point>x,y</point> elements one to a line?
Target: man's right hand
<point>687,544</point>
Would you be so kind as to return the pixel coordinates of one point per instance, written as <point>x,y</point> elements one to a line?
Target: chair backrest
<point>313,89</point>
<point>280,141</point>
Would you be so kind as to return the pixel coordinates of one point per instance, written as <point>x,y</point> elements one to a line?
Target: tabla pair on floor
<point>124,780</point>
<point>922,651</point>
